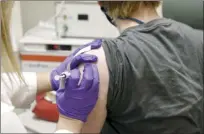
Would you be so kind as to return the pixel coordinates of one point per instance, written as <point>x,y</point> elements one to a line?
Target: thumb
<point>82,58</point>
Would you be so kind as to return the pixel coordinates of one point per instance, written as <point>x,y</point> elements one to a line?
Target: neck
<point>145,16</point>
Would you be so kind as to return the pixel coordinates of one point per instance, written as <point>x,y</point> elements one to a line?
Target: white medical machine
<point>75,23</point>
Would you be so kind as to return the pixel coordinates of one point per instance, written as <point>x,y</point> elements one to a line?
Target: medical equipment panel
<point>42,55</point>
<point>83,19</point>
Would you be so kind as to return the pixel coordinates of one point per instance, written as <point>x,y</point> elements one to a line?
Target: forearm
<point>43,82</point>
<point>69,124</point>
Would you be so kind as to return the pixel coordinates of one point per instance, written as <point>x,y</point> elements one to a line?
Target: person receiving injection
<point>18,89</point>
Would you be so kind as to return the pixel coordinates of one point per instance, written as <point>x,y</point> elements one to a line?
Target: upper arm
<point>97,117</point>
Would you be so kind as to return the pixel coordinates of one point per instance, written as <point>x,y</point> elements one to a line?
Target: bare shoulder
<point>103,71</point>
<point>98,115</point>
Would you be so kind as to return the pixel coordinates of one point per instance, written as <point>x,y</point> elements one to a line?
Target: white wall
<point>34,11</point>
<point>25,15</point>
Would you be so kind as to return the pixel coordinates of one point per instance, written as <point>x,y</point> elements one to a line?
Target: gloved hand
<point>77,101</point>
<point>74,62</point>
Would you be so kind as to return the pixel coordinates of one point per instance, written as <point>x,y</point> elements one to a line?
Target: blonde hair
<point>8,60</point>
<point>126,8</point>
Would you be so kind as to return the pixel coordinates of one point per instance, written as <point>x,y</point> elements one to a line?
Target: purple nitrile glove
<point>74,62</point>
<point>83,58</point>
<point>77,101</point>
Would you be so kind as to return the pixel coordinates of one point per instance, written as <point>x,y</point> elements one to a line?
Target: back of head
<point>125,9</point>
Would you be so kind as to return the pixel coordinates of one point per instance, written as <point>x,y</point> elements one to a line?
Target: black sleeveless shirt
<point>156,80</point>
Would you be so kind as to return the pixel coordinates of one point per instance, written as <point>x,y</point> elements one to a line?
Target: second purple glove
<point>77,101</point>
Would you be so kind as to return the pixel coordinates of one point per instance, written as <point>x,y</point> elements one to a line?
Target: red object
<point>45,58</point>
<point>45,110</point>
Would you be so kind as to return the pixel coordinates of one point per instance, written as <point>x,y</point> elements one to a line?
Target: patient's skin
<point>97,117</point>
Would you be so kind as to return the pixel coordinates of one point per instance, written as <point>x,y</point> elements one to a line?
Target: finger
<point>81,47</point>
<point>96,80</point>
<point>78,49</point>
<point>87,79</point>
<point>96,44</point>
<point>82,58</point>
<point>73,79</point>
